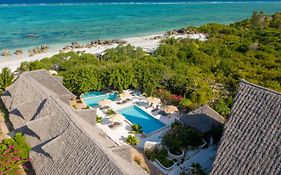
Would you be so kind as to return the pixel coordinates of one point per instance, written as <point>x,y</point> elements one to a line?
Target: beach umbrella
<point>116,118</point>
<point>153,100</point>
<point>105,102</point>
<point>125,95</point>
<point>170,109</point>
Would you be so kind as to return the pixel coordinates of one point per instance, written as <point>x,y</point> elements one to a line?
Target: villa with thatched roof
<point>251,142</point>
<point>203,119</point>
<point>63,140</point>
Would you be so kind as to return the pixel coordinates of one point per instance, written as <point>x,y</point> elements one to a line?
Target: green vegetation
<point>193,72</point>
<point>196,169</point>
<point>180,137</point>
<point>6,79</point>
<point>3,111</point>
<point>14,152</point>
<point>160,155</point>
<point>98,119</point>
<point>110,112</point>
<point>137,129</point>
<point>216,133</point>
<point>132,140</point>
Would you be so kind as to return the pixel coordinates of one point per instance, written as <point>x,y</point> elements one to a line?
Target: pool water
<point>92,94</point>
<point>137,116</point>
<point>93,98</point>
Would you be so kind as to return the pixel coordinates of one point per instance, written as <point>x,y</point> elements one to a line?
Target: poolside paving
<point>202,156</point>
<point>120,133</point>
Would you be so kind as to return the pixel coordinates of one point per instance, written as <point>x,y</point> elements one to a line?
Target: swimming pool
<point>93,98</point>
<point>92,94</point>
<point>137,116</point>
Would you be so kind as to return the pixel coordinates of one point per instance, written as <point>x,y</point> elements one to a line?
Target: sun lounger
<point>162,113</point>
<point>114,125</point>
<point>155,111</point>
<point>104,108</point>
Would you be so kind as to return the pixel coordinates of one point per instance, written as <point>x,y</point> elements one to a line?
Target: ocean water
<point>67,22</point>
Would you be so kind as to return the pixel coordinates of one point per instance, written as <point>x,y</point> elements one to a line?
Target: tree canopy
<point>6,79</point>
<point>200,72</point>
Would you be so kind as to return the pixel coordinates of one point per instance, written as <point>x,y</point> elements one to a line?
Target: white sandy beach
<point>149,43</point>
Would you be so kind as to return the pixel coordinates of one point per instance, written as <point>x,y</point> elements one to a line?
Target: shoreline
<point>148,43</point>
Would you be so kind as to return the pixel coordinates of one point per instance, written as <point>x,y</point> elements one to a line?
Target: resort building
<point>66,140</point>
<point>63,140</point>
<point>251,141</point>
<point>203,119</point>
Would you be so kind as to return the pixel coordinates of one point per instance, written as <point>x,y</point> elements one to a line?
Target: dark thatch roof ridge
<point>251,140</point>
<point>202,119</point>
<point>259,87</point>
<point>206,109</point>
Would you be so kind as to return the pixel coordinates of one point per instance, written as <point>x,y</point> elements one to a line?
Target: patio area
<point>118,126</point>
<point>202,156</point>
<point>123,128</point>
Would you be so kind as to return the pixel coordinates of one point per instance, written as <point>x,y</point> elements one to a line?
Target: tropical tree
<point>6,78</point>
<point>249,49</point>
<point>196,169</point>
<point>222,108</point>
<point>98,119</point>
<point>132,140</point>
<point>83,79</point>
<point>137,128</point>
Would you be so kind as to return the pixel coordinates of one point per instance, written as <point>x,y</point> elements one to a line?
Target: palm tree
<point>6,78</point>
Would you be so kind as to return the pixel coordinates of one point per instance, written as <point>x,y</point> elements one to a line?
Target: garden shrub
<point>132,140</point>
<point>196,169</point>
<point>14,152</point>
<point>137,129</point>
<point>160,155</point>
<point>98,119</point>
<point>179,137</point>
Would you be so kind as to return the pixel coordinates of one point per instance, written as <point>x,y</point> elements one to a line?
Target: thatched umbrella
<point>105,102</point>
<point>125,95</point>
<point>116,118</point>
<point>170,109</point>
<point>153,100</point>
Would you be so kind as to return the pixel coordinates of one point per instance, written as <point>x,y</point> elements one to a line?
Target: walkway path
<point>204,157</point>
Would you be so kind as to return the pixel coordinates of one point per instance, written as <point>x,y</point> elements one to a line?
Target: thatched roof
<point>63,141</point>
<point>28,85</point>
<point>202,119</point>
<point>251,141</point>
<point>87,114</point>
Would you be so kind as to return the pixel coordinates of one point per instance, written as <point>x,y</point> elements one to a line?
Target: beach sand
<point>148,43</point>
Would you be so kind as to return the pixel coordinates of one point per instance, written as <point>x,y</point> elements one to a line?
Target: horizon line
<point>136,3</point>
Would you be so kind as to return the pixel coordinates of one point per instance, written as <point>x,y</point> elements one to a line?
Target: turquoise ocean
<point>62,23</point>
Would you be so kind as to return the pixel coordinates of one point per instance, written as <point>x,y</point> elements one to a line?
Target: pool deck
<point>120,133</point>
<point>204,157</point>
